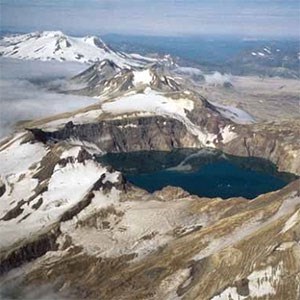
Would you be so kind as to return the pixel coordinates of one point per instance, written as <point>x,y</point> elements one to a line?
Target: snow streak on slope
<point>54,45</point>
<point>234,114</point>
<point>27,209</point>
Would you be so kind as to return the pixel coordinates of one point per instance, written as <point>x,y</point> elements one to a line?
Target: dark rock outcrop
<point>275,142</point>
<point>105,185</point>
<point>2,188</point>
<point>76,209</point>
<point>29,251</point>
<point>151,133</point>
<point>14,212</point>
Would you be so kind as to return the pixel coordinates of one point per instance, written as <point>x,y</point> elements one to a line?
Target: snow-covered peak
<point>96,42</point>
<point>55,45</point>
<point>57,33</point>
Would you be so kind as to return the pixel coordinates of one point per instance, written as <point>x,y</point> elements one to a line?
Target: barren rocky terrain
<point>267,99</point>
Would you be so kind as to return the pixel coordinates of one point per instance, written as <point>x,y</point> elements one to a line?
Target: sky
<point>246,18</point>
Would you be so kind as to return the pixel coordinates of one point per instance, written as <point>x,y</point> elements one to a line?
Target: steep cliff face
<point>275,142</point>
<point>151,133</point>
<point>146,120</point>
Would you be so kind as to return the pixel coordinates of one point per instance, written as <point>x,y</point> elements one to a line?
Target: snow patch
<point>264,282</point>
<point>18,157</point>
<point>142,77</point>
<point>292,221</point>
<point>151,102</point>
<point>267,50</point>
<point>227,134</point>
<point>261,283</point>
<point>229,294</point>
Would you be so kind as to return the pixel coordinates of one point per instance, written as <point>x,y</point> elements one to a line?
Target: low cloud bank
<point>189,71</point>
<point>215,79</point>
<point>218,79</point>
<point>36,70</point>
<point>24,94</point>
<point>16,290</point>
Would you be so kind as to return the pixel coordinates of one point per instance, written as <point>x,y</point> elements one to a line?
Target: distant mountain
<point>268,60</point>
<point>54,45</point>
<point>263,57</point>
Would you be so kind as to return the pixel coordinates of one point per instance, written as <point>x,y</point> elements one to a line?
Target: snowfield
<point>142,77</point>
<point>151,102</point>
<point>66,187</point>
<point>54,45</point>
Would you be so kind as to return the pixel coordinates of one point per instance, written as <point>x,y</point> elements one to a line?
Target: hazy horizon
<point>230,18</point>
<point>207,37</point>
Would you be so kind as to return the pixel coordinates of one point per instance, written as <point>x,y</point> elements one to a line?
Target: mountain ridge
<point>55,45</point>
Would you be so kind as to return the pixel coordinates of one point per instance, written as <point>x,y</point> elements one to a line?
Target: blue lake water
<point>211,174</point>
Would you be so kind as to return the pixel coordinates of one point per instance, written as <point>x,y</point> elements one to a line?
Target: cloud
<point>38,70</point>
<point>158,17</point>
<point>14,288</point>
<point>218,79</point>
<point>24,93</point>
<point>189,71</point>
